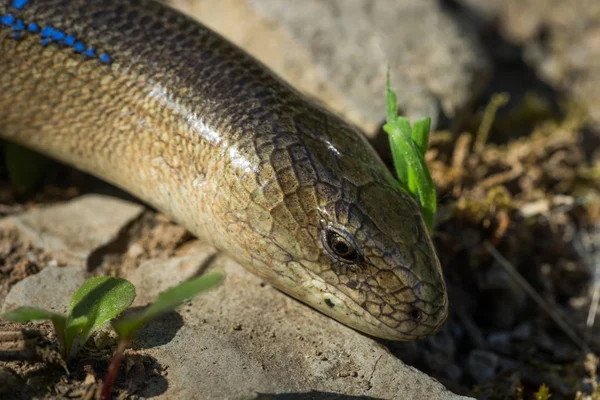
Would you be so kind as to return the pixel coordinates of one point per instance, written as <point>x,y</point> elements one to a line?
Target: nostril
<point>416,314</point>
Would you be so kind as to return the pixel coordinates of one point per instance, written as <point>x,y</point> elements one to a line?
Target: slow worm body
<point>157,104</point>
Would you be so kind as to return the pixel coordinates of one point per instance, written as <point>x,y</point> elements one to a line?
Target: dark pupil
<point>341,248</point>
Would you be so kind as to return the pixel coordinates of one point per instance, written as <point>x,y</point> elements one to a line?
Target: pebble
<point>544,342</point>
<point>522,332</point>
<point>482,365</point>
<point>564,352</point>
<point>500,341</point>
<point>443,343</point>
<point>453,372</point>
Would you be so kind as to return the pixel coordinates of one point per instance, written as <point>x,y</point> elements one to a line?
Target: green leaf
<point>95,303</point>
<point>167,301</point>
<point>392,118</point>
<point>420,134</point>
<point>497,101</point>
<point>390,96</point>
<point>408,146</point>
<point>27,314</point>
<point>399,163</point>
<point>419,177</point>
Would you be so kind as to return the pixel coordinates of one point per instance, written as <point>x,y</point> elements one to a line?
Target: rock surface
<point>337,51</point>
<point>560,39</point>
<point>71,232</point>
<point>238,341</point>
<point>51,289</point>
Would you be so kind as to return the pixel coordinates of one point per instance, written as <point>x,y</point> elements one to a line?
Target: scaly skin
<point>173,113</point>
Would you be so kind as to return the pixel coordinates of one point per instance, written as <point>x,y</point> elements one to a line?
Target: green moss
<point>543,393</point>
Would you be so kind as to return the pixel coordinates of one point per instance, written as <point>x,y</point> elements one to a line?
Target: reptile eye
<point>341,246</point>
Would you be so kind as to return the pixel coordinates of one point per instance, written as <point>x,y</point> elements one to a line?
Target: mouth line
<point>329,298</point>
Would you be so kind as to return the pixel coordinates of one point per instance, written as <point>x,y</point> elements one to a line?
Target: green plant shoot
<point>167,301</point>
<point>95,303</point>
<point>409,145</point>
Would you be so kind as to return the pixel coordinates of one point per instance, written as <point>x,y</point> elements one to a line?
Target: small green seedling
<point>168,300</point>
<point>409,144</point>
<point>95,303</point>
<point>100,300</point>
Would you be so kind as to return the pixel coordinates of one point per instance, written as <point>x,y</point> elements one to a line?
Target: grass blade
<point>420,134</point>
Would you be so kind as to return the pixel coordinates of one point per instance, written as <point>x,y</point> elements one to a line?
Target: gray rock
<point>507,363</point>
<point>154,276</point>
<point>71,231</point>
<point>50,289</point>
<point>433,60</point>
<point>245,338</point>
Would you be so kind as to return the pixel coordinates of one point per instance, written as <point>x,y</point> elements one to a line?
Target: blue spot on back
<point>69,40</point>
<point>105,58</point>
<point>91,52</point>
<point>47,32</point>
<point>19,4</point>
<point>18,25</point>
<point>79,47</point>
<point>58,35</point>
<point>7,20</point>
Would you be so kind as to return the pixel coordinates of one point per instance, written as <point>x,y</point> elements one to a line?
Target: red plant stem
<point>113,368</point>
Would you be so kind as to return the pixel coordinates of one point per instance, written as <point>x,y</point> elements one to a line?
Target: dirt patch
<point>33,368</point>
<point>149,237</point>
<point>18,260</point>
